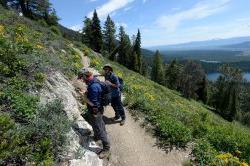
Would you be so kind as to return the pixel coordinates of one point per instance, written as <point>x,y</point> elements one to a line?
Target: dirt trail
<point>131,145</point>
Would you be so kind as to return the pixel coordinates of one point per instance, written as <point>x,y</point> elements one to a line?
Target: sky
<point>163,22</point>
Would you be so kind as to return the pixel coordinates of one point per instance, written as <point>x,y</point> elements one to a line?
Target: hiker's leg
<point>101,131</point>
<point>114,105</point>
<point>120,107</point>
<point>92,122</point>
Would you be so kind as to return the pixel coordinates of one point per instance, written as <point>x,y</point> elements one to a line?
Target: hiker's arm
<point>111,84</point>
<point>98,75</point>
<point>115,81</point>
<point>84,98</point>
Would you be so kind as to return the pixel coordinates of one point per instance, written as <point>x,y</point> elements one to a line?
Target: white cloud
<point>118,24</point>
<point>201,10</point>
<point>233,28</point>
<point>110,7</point>
<point>77,27</point>
<point>128,8</point>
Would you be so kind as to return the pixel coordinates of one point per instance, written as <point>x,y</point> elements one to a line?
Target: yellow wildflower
<point>39,46</point>
<point>2,30</point>
<point>149,96</point>
<point>224,156</point>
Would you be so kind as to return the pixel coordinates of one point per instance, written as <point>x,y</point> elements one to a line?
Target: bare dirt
<point>131,145</point>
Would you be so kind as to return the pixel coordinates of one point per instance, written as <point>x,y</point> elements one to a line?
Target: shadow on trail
<point>86,140</point>
<point>109,121</point>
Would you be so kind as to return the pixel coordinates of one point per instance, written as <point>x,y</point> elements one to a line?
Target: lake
<point>214,76</point>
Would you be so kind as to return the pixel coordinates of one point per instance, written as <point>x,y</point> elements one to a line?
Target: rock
<point>77,153</point>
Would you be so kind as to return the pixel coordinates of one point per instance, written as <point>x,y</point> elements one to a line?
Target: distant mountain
<point>147,53</point>
<point>240,46</point>
<point>199,45</point>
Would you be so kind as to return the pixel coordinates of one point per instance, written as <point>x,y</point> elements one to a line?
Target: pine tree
<point>191,79</point>
<point>172,75</point>
<point>87,32</point>
<point>157,73</point>
<point>124,50</point>
<point>133,61</point>
<point>96,43</point>
<point>228,90</point>
<point>109,35</point>
<point>137,49</point>
<point>35,9</point>
<point>3,3</point>
<point>145,69</point>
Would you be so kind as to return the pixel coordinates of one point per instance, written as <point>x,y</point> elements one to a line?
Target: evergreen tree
<point>145,69</point>
<point>96,43</point>
<point>172,75</point>
<point>191,79</point>
<point>35,9</point>
<point>109,35</point>
<point>133,61</point>
<point>87,32</point>
<point>52,18</point>
<point>3,3</point>
<point>124,50</point>
<point>202,92</point>
<point>157,73</point>
<point>137,49</point>
<point>228,89</point>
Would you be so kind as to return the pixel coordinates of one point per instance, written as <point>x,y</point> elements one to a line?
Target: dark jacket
<point>114,80</point>
<point>94,93</point>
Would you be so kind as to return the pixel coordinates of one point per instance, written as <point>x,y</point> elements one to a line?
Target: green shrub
<point>227,159</point>
<point>42,22</point>
<point>40,141</point>
<point>56,30</point>
<point>15,96</point>
<point>40,79</point>
<point>230,139</point>
<point>204,152</point>
<point>13,143</point>
<point>173,131</point>
<point>51,122</point>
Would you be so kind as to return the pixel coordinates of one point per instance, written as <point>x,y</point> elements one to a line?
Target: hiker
<point>95,108</point>
<point>116,103</point>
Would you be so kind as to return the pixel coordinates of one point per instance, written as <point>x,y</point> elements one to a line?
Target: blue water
<point>214,76</point>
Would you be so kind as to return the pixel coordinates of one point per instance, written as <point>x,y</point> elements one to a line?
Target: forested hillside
<point>31,134</point>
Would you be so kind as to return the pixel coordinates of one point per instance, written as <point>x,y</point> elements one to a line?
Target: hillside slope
<point>35,134</point>
<point>40,119</point>
<point>178,121</point>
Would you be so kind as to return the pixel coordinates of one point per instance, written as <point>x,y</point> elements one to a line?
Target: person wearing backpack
<point>116,102</point>
<point>95,109</point>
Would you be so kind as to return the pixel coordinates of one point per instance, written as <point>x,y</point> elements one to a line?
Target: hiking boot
<point>116,118</point>
<point>104,154</point>
<point>122,122</point>
<point>95,138</point>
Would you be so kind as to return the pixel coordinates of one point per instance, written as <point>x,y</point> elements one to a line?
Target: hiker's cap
<point>83,73</point>
<point>108,66</point>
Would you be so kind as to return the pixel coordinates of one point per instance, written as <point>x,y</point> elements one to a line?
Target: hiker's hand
<point>95,110</point>
<point>81,91</point>
<point>108,82</point>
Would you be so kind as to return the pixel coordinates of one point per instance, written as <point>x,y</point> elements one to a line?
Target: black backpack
<point>121,83</point>
<point>106,93</point>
